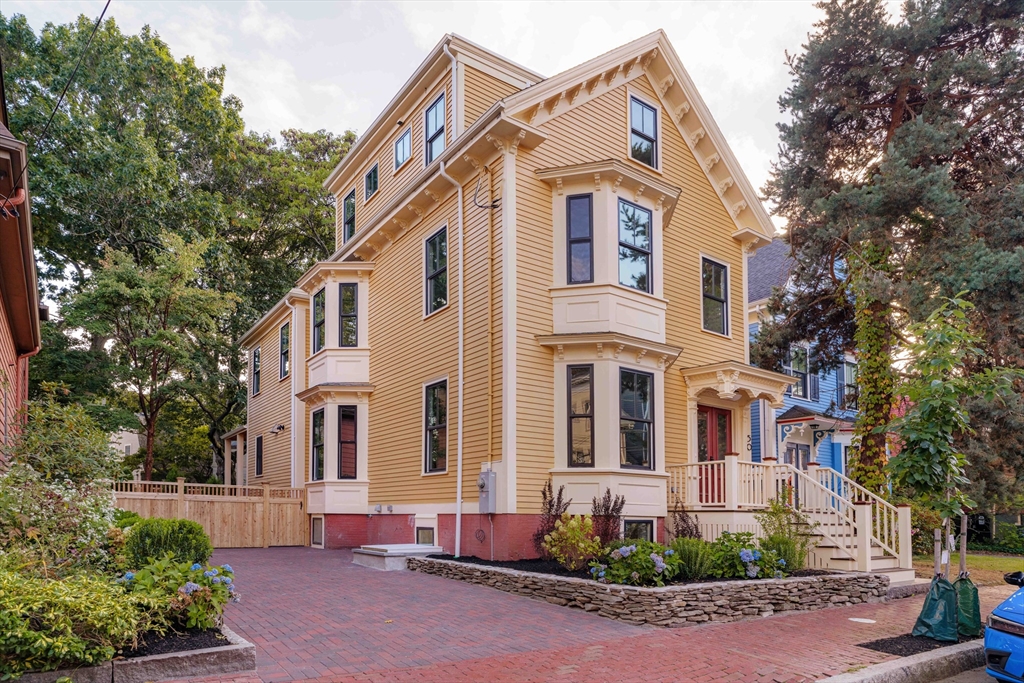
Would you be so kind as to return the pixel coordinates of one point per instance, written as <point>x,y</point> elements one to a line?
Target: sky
<point>335,65</point>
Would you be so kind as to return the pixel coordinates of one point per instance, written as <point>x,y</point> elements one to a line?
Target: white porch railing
<point>842,510</point>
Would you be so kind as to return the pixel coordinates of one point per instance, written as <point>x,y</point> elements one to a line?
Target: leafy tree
<point>61,442</point>
<point>930,462</point>
<point>156,318</point>
<point>900,178</point>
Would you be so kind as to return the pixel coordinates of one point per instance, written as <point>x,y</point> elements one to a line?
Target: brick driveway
<point>314,615</point>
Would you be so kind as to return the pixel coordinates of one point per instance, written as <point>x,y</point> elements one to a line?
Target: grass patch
<point>986,569</point>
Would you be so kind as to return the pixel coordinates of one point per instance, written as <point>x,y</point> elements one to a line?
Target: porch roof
<point>736,381</point>
<point>800,414</point>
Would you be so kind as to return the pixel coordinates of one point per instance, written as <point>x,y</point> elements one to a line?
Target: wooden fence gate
<point>233,516</point>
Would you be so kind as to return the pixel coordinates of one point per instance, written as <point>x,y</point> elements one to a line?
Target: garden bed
<point>229,654</point>
<point>907,645</point>
<point>675,605</point>
<point>161,644</point>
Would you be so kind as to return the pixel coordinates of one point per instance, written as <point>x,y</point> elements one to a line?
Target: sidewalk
<point>333,621</point>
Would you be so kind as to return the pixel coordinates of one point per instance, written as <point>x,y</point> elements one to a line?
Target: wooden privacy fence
<point>233,516</point>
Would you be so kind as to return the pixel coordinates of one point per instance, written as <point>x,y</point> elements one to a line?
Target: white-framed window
<point>795,365</point>
<point>371,182</point>
<point>316,532</point>
<point>579,232</point>
<point>319,320</point>
<point>437,270</point>
<point>403,148</point>
<point>348,215</point>
<point>581,415</point>
<point>635,246</point>
<point>638,529</point>
<point>435,414</point>
<point>643,132</point>
<point>636,419</point>
<point>848,385</point>
<point>256,371</point>
<point>286,344</point>
<point>348,315</point>
<point>714,277</point>
<point>316,454</point>
<point>347,442</point>
<point>434,129</point>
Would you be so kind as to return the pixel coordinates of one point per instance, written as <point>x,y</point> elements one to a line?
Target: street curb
<point>923,668</point>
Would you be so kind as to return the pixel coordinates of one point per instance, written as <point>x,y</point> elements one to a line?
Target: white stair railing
<point>834,517</point>
<point>886,516</point>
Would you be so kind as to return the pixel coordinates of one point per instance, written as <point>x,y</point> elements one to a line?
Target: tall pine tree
<point>900,177</point>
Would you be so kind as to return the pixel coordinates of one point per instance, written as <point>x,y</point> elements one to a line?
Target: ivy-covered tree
<point>900,179</point>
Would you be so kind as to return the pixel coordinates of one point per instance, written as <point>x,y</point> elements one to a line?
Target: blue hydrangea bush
<point>182,595</point>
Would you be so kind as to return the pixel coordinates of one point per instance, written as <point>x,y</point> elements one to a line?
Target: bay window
<point>636,419</point>
<point>319,316</point>
<point>316,464</point>
<point>581,415</point>
<point>346,442</point>
<point>348,315</point>
<point>634,246</point>
<point>579,221</point>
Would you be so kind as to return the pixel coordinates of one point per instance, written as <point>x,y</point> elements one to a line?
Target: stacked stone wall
<point>673,606</point>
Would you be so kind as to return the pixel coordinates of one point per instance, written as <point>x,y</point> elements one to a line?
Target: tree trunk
<point>874,377</point>
<point>147,465</point>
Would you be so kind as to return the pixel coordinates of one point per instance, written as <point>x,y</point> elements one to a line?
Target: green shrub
<point>736,556</point>
<point>154,538</point>
<point>641,563</point>
<point>786,533</point>
<point>552,507</point>
<point>180,594</point>
<point>125,518</point>
<point>47,624</point>
<point>54,526</point>
<point>923,523</point>
<point>607,515</point>
<point>695,558</point>
<point>572,542</point>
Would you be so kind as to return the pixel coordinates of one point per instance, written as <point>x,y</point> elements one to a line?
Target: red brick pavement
<point>313,615</point>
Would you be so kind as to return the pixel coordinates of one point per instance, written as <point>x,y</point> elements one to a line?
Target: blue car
<point>1004,636</point>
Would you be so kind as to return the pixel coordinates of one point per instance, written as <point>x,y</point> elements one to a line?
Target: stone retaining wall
<point>679,605</point>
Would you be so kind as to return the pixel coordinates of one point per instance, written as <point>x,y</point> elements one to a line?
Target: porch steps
<point>827,555</point>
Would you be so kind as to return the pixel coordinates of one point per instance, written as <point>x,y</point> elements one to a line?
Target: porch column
<point>732,481</point>
<point>227,462</point>
<point>238,461</point>
<point>903,527</point>
<point>863,523</point>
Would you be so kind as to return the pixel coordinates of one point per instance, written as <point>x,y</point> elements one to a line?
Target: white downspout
<point>456,128</point>
<point>291,399</point>
<point>458,448</point>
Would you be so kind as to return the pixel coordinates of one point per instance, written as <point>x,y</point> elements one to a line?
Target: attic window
<point>643,128</point>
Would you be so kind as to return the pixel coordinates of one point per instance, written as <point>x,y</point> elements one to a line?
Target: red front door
<point>714,440</point>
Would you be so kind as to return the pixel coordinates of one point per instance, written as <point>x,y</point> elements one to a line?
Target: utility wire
<point>60,101</point>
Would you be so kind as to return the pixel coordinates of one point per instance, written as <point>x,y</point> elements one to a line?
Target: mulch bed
<point>906,645</point>
<point>552,567</point>
<point>191,639</point>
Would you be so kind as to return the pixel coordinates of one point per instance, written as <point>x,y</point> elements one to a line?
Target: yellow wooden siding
<point>390,182</point>
<point>594,131</point>
<point>482,90</point>
<point>269,408</point>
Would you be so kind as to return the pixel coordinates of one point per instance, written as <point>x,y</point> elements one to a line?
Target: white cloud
<point>275,29</point>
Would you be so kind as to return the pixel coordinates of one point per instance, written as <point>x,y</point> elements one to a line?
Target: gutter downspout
<point>455,100</point>
<point>291,399</point>
<point>458,451</point>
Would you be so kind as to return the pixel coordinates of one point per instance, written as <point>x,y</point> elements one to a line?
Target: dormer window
<point>371,182</point>
<point>634,246</point>
<point>434,129</point>
<point>643,130</point>
<point>349,216</point>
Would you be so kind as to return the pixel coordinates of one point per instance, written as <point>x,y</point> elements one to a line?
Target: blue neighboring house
<point>815,423</point>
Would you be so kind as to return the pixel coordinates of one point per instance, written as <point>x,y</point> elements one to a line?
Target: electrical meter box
<point>487,484</point>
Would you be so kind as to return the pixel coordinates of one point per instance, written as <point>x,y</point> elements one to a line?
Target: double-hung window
<point>256,371</point>
<point>715,295</point>
<point>348,312</point>
<point>346,442</point>
<point>643,132</point>
<point>579,228</point>
<point>636,419</point>
<point>319,313</point>
<point>437,270</point>
<point>634,246</point>
<point>371,182</point>
<point>581,416</point>
<point>436,424</point>
<point>403,149</point>
<point>795,365</point>
<point>434,129</point>
<point>348,211</point>
<point>316,464</point>
<point>259,456</point>
<point>286,343</point>
<point>848,386</point>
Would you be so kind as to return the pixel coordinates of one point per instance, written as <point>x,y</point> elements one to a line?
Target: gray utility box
<point>487,484</point>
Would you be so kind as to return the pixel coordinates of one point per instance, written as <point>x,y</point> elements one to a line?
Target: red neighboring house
<point>19,291</point>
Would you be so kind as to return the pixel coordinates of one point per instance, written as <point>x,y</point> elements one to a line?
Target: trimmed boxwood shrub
<point>153,538</point>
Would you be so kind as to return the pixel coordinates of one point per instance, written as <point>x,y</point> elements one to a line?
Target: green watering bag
<point>938,617</point>
<point>968,607</point>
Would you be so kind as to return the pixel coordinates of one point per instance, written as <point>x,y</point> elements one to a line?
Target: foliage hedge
<point>47,624</point>
<point>154,538</point>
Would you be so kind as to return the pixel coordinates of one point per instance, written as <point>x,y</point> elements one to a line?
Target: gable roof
<point>654,56</point>
<point>767,269</point>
